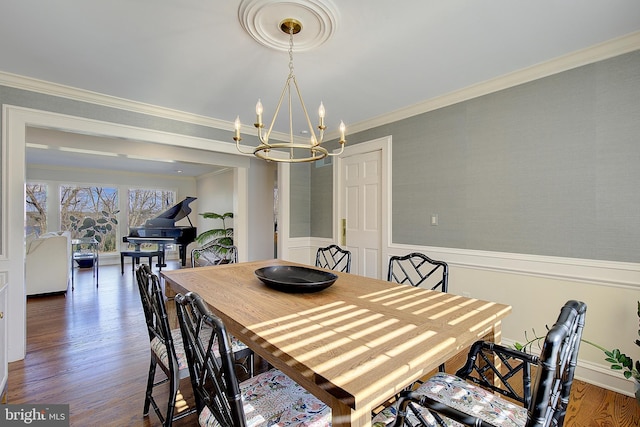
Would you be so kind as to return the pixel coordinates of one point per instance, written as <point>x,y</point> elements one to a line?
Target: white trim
<point>603,273</point>
<point>599,52</point>
<point>241,206</point>
<point>17,119</point>
<point>68,92</point>
<point>300,249</point>
<point>13,137</point>
<point>284,211</point>
<point>4,176</point>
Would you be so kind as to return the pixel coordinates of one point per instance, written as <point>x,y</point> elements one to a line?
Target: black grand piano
<point>163,230</point>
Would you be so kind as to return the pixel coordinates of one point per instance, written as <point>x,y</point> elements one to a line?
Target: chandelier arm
<point>265,141</point>
<point>316,141</point>
<point>240,149</point>
<point>339,152</point>
<point>291,153</point>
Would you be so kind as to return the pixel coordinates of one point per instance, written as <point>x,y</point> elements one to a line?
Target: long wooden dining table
<point>353,345</point>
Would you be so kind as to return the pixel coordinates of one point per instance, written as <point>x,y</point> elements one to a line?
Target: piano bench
<point>136,255</point>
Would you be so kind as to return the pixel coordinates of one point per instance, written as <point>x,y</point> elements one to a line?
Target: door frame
<point>384,145</point>
<point>15,120</point>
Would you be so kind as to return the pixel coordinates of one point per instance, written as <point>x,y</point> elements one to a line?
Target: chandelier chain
<point>291,51</point>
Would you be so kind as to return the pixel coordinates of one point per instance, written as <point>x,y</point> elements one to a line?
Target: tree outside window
<point>90,212</point>
<point>36,197</point>
<point>146,204</point>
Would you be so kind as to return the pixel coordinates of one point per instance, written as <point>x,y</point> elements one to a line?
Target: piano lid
<point>179,210</point>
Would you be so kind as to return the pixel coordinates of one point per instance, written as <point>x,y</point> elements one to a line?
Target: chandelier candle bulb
<point>342,128</point>
<point>259,114</point>
<point>321,113</point>
<point>237,125</point>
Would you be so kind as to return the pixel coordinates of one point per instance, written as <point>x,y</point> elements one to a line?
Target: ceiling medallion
<point>261,19</point>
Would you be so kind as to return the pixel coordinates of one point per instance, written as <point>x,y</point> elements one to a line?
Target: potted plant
<point>619,361</point>
<point>216,236</point>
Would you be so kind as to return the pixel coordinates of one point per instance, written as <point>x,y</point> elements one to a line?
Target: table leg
<point>343,416</point>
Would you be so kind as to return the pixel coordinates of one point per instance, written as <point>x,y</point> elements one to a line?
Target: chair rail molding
<point>603,273</point>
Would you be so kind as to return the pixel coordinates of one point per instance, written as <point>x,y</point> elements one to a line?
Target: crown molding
<point>599,52</point>
<point>596,53</point>
<point>54,89</point>
<point>68,92</point>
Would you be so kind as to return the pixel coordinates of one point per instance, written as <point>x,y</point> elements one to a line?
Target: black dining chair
<point>167,350</point>
<point>166,347</point>
<point>269,398</point>
<point>334,257</point>
<point>473,396</point>
<point>417,269</point>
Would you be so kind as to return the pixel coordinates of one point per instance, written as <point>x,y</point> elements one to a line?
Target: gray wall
<point>321,222</point>
<point>300,204</point>
<point>551,167</point>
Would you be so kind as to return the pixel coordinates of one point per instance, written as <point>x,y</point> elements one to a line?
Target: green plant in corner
<point>619,360</point>
<point>216,236</point>
<point>222,235</point>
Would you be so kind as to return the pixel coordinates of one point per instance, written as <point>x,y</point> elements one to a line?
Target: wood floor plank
<point>90,349</point>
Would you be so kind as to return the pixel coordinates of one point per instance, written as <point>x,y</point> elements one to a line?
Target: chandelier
<point>297,152</point>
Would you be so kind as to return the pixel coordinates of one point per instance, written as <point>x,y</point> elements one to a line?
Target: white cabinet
<point>4,364</point>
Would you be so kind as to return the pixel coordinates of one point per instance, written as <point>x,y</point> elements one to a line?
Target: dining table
<point>354,344</point>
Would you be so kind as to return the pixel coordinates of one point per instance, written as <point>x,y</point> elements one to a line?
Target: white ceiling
<point>194,55</point>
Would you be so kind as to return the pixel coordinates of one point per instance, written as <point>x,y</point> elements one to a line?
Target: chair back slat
<point>556,369</point>
<point>499,375</point>
<point>214,381</point>
<point>155,313</point>
<point>417,269</point>
<point>334,257</point>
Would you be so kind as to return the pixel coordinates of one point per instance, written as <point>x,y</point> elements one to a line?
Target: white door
<point>360,217</point>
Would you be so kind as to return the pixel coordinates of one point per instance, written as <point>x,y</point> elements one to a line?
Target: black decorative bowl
<point>295,279</point>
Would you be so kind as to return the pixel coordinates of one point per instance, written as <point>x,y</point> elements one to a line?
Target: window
<point>145,204</point>
<point>36,199</point>
<point>90,212</point>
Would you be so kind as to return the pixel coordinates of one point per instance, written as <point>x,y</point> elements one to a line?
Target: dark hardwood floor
<point>90,349</point>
